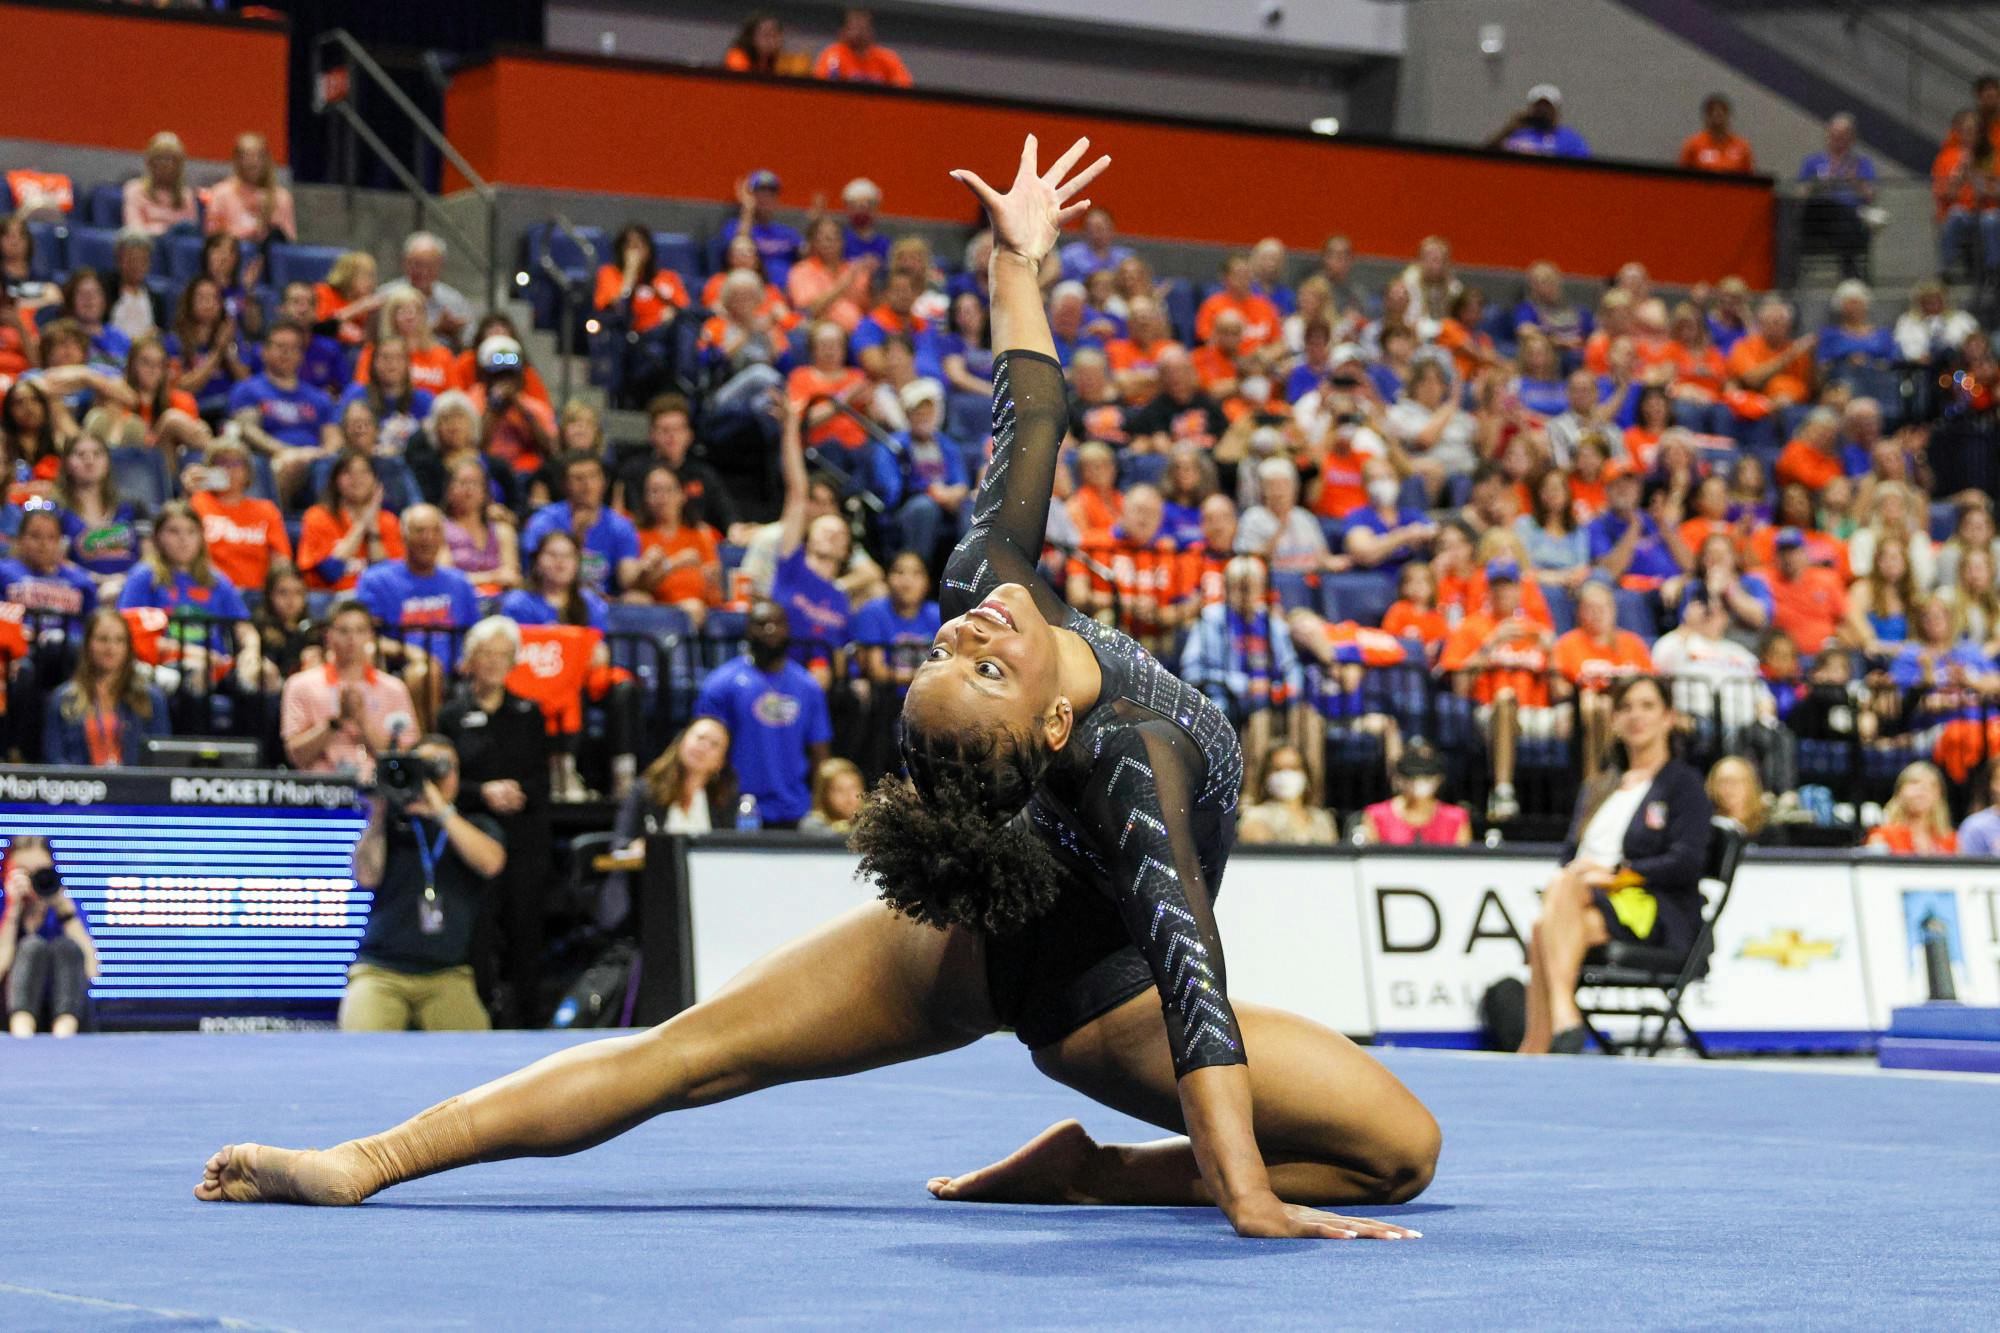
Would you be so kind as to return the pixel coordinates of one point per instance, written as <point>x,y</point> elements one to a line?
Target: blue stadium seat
<point>1944,520</point>
<point>1361,597</point>
<point>652,642</point>
<point>93,247</point>
<point>301,263</point>
<point>51,248</point>
<point>183,255</point>
<point>545,238</point>
<point>104,205</point>
<point>1638,612</point>
<point>1294,589</point>
<point>140,473</point>
<point>1180,305</point>
<point>1562,608</point>
<point>678,251</point>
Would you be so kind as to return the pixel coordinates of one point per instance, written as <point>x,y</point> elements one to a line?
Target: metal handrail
<point>486,253</point>
<point>1909,40</point>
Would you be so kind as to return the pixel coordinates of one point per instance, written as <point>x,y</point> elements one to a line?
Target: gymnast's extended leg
<point>871,988</point>
<point>1333,1125</point>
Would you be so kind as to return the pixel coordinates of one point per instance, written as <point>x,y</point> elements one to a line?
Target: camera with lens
<point>400,776</point>
<point>1345,379</point>
<point>45,882</point>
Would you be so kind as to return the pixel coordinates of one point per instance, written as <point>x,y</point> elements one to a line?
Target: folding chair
<point>1640,967</point>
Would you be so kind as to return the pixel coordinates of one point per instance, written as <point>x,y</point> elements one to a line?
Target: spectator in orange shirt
<point>1414,614</point>
<point>679,564</point>
<point>1714,147</point>
<point>1917,820</point>
<point>348,530</point>
<point>1500,660</point>
<point>1218,361</point>
<point>855,58</point>
<point>1810,600</point>
<point>759,48</point>
<point>1261,321</point>
<point>634,282</point>
<point>465,367</point>
<point>1968,195</point>
<point>431,362</point>
<point>1593,657</point>
<point>244,534</point>
<point>1461,333</point>
<point>1158,587</point>
<point>1097,504</point>
<point>347,298</point>
<point>1813,459</point>
<point>1772,369</point>
<point>826,284</point>
<point>827,375</point>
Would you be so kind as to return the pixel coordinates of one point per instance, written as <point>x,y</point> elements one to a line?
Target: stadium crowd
<point>1407,535</point>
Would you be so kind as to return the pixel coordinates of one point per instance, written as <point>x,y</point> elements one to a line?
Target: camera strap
<point>429,853</point>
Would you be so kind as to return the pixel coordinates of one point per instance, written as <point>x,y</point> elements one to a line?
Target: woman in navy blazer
<point>103,714</point>
<point>1631,870</point>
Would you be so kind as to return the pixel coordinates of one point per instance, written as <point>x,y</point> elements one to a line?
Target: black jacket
<point>1666,843</point>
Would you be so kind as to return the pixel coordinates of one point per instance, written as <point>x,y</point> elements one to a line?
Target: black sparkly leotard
<point>1143,827</point>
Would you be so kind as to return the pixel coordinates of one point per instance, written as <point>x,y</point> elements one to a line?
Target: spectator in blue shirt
<point>811,555</point>
<point>610,542</point>
<point>777,243</point>
<point>36,576</point>
<point>324,364</point>
<point>1853,349</point>
<point>554,591</point>
<point>932,475</point>
<point>895,632</point>
<point>863,199</point>
<point>178,577</point>
<point>1842,173</point>
<point>779,728</point>
<point>417,593</point>
<point>399,406</point>
<point>1979,835</point>
<point>1631,548</point>
<point>1538,131</point>
<point>1383,534</point>
<point>103,715</point>
<point>1098,248</point>
<point>279,415</point>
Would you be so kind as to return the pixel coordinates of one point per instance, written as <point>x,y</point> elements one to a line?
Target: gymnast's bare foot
<point>1049,1168</point>
<point>253,1173</point>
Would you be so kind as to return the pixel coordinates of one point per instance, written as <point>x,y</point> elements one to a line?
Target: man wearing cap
<point>777,243</point>
<point>423,266</point>
<point>1809,601</point>
<point>1500,657</point>
<point>1538,131</point>
<point>932,474</point>
<point>862,199</point>
<point>520,430</point>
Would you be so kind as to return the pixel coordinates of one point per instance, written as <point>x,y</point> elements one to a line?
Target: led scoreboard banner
<point>210,893</point>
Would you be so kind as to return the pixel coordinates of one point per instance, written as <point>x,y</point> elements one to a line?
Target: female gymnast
<point>1048,864</point>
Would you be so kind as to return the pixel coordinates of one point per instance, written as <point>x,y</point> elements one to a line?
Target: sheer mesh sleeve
<point>1139,804</point>
<point>1011,515</point>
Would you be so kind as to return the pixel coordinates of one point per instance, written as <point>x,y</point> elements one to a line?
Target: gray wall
<point>1633,89</point>
<point>1163,71</point>
<point>1925,92</point>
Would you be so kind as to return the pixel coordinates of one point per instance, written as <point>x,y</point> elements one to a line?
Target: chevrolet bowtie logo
<point>1788,949</point>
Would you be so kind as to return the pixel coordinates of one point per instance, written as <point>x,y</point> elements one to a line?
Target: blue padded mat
<point>1582,1192</point>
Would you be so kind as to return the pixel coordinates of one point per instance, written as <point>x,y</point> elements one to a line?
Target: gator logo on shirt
<point>113,539</point>
<point>774,708</point>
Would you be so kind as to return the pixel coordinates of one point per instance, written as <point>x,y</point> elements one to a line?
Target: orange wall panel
<point>625,128</point>
<point>112,78</point>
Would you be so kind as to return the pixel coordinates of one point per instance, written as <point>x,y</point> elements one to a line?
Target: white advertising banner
<point>1788,957</point>
<point>1439,931</point>
<point>1903,907</point>
<point>744,904</point>
<point>1291,938</point>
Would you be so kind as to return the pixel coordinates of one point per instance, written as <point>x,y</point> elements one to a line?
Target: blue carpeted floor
<point>1577,1192</point>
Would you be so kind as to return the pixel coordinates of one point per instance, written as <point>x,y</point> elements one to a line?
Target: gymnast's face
<point>996,664</point>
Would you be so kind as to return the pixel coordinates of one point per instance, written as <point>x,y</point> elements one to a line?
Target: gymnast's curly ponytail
<point>946,844</point>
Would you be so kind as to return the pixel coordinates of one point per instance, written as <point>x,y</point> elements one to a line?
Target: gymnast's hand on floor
<point>1028,218</point>
<point>1273,1218</point>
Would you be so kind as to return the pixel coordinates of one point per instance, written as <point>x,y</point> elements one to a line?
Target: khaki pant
<point>379,999</point>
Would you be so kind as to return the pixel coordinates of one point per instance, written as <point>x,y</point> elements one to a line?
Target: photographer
<point>428,866</point>
<point>45,948</point>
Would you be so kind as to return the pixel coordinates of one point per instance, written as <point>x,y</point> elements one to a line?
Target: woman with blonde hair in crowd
<point>1917,820</point>
<point>837,789</point>
<point>1974,599</point>
<point>348,296</point>
<point>1737,792</point>
<point>1880,602</point>
<point>406,316</point>
<point>158,199</point>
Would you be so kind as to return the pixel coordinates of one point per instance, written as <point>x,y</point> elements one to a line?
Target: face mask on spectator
<point>1287,784</point>
<point>1383,492</point>
<point>1423,789</point>
<point>1256,389</point>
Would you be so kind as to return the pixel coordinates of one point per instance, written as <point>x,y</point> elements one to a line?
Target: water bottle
<point>1494,837</point>
<point>747,818</point>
